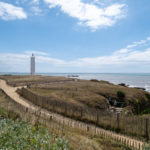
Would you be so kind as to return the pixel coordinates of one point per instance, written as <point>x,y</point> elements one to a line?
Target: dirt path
<point>11,92</point>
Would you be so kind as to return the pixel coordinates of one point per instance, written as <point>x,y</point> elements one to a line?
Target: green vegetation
<point>9,114</point>
<point>111,145</point>
<point>147,111</point>
<point>78,140</point>
<point>147,147</point>
<point>121,95</point>
<point>86,100</point>
<point>130,125</point>
<point>18,135</point>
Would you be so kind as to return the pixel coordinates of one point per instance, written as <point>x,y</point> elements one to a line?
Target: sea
<point>131,79</point>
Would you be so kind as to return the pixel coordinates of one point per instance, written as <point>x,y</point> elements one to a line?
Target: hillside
<point>37,136</point>
<point>82,93</point>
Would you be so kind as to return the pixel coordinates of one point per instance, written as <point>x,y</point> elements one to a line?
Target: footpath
<point>11,92</point>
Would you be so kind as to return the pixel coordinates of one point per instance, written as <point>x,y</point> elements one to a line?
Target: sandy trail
<point>11,92</point>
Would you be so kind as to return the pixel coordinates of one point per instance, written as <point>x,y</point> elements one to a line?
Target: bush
<point>94,80</point>
<point>121,95</point>
<point>146,111</point>
<point>18,135</point>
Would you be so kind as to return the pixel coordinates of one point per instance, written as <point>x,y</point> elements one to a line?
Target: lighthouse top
<point>32,65</point>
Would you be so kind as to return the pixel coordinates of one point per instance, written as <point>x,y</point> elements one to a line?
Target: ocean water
<point>131,79</point>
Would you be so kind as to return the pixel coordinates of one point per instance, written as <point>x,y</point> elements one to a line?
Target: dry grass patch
<point>78,139</point>
<point>22,80</point>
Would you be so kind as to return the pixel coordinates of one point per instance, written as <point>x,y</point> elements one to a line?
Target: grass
<point>49,98</point>
<point>77,139</point>
<point>84,99</point>
<point>21,80</point>
<point>82,92</point>
<point>19,135</point>
<point>92,94</point>
<point>147,147</point>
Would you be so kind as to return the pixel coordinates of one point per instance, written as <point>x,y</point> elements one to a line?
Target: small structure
<point>32,65</point>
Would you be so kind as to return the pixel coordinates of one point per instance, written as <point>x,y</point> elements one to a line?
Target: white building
<point>32,65</point>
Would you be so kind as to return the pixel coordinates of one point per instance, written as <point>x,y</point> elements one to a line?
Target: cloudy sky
<point>75,35</point>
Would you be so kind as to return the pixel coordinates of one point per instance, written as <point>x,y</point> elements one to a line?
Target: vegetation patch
<point>146,147</point>
<point>19,136</point>
<point>92,93</point>
<point>111,144</point>
<point>147,111</point>
<point>121,95</point>
<point>78,140</point>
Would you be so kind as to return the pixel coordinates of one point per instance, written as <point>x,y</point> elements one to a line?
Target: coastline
<point>141,80</point>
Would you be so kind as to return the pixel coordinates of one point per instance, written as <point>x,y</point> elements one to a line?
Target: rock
<point>94,80</point>
<point>140,88</point>
<point>122,84</point>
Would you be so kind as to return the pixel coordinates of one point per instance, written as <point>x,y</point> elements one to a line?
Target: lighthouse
<point>32,65</point>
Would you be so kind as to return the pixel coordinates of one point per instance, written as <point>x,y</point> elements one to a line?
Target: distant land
<point>132,79</point>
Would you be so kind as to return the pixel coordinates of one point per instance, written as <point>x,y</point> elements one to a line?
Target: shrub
<point>94,80</point>
<point>121,95</point>
<point>146,111</point>
<point>18,135</point>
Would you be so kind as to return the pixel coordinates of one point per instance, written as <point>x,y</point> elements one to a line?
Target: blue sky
<point>75,35</point>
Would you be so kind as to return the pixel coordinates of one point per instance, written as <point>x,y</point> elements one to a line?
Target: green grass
<point>147,147</point>
<point>18,135</point>
<point>111,145</point>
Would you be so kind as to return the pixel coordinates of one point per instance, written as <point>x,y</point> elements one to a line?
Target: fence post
<point>88,128</point>
<point>146,131</point>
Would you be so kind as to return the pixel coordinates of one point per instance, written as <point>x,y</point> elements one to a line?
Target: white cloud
<point>36,53</point>
<point>23,58</point>
<point>134,57</point>
<point>148,38</point>
<point>36,10</point>
<point>89,14</point>
<point>135,44</point>
<point>11,12</point>
<point>54,61</point>
<point>126,58</point>
<point>36,2</point>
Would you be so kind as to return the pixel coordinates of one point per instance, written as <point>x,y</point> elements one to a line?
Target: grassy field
<point>93,94</point>
<point>53,133</point>
<point>132,125</point>
<point>16,134</point>
<point>87,101</point>
<point>82,92</point>
<point>19,80</point>
<point>19,135</point>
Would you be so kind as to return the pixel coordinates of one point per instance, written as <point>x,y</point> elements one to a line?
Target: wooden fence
<point>129,125</point>
<point>50,116</point>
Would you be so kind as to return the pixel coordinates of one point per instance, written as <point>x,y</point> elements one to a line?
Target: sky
<point>87,36</point>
